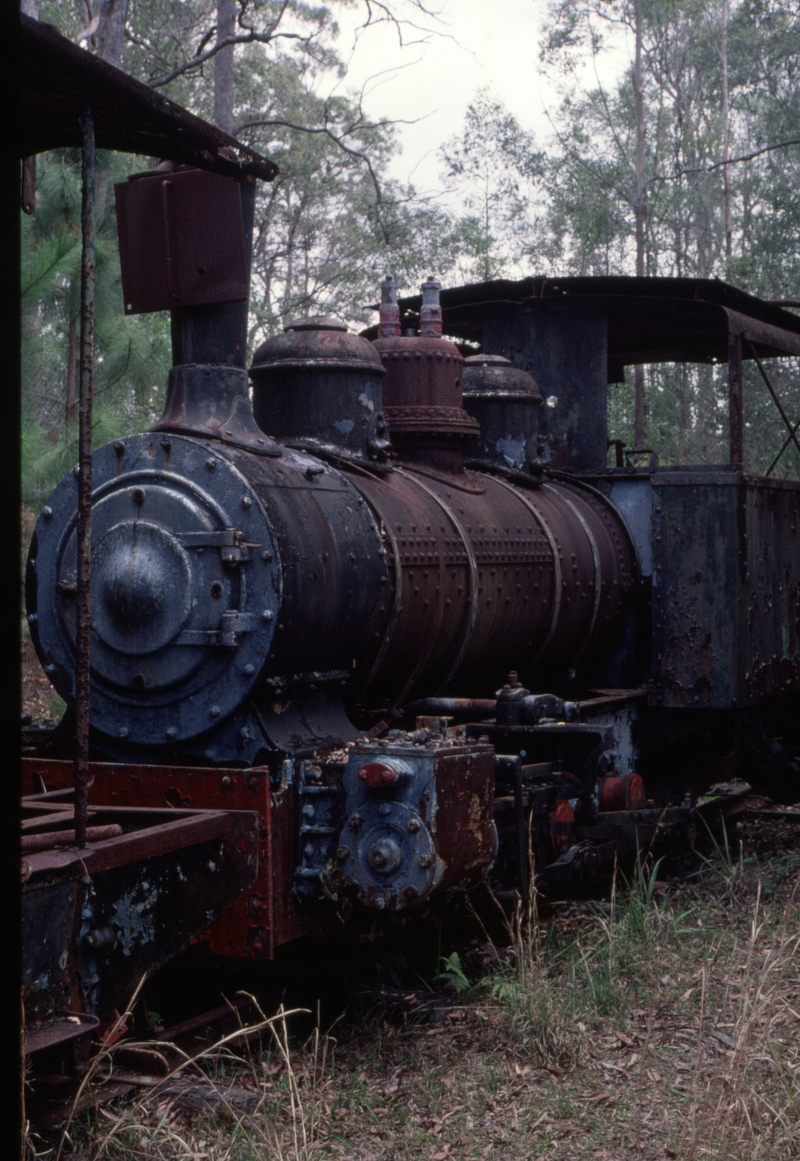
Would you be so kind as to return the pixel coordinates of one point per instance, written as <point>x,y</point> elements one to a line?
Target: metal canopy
<point>650,320</point>
<point>58,78</point>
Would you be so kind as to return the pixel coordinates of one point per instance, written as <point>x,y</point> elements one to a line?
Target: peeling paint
<point>512,449</point>
<point>133,919</point>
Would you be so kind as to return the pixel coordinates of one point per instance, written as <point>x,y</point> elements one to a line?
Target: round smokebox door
<point>185,588</point>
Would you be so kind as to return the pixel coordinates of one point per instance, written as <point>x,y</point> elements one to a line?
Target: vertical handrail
<point>84,525</point>
<point>735,400</point>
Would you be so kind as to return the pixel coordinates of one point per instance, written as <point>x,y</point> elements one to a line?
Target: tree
<point>132,354</point>
<point>712,107</point>
<point>495,170</point>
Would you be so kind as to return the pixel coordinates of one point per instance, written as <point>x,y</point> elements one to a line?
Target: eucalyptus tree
<point>714,113</point>
<point>493,168</point>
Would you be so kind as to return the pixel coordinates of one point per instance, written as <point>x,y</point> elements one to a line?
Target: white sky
<point>481,42</point>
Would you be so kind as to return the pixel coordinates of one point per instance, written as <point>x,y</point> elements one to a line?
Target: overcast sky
<point>479,42</point>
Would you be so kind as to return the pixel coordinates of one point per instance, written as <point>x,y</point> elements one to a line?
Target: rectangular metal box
<point>723,551</point>
<point>181,240</point>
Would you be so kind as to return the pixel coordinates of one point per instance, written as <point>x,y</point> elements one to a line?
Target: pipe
<point>455,706</point>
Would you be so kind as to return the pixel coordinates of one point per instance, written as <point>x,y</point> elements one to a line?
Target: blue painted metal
<point>186,588</point>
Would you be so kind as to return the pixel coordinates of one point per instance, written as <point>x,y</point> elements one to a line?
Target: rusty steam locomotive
<point>287,599</point>
<point>397,615</point>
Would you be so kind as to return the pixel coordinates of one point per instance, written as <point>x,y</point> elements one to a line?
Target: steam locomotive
<point>393,627</point>
<point>398,611</point>
<point>372,611</point>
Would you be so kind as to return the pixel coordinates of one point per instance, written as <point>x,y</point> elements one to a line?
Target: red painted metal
<point>562,819</point>
<point>265,916</point>
<point>377,774</point>
<point>196,249</point>
<point>57,1029</point>
<point>622,793</point>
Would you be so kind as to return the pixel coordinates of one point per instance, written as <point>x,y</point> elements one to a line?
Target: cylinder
<point>486,575</point>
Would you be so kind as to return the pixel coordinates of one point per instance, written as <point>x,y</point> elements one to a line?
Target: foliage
<point>701,1060</point>
<point>493,166</point>
<point>131,354</point>
<point>588,224</point>
<point>333,224</point>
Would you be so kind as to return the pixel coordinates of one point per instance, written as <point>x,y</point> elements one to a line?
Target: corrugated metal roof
<point>58,78</point>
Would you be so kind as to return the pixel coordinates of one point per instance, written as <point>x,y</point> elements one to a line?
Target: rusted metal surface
<point>64,838</point>
<point>765,337</point>
<point>577,334</point>
<point>650,320</point>
<point>615,835</point>
<point>265,915</point>
<point>422,393</point>
<point>457,706</point>
<point>465,835</point>
<point>562,820</point>
<point>332,609</point>
<point>430,828</point>
<point>424,610</point>
<point>186,569</point>
<point>505,401</point>
<point>96,920</point>
<point>389,311</point>
<point>212,401</point>
<point>59,1028</point>
<point>430,314</point>
<point>490,578</point>
<point>194,253</point>
<point>726,593</point>
<point>29,185</point>
<point>463,558</point>
<point>57,76</point>
<point>321,386</point>
<point>566,353</point>
<point>622,792</point>
<point>735,401</point>
<point>83,546</point>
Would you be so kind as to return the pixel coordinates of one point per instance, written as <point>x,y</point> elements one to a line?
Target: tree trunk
<point>223,67</point>
<point>110,38</point>
<point>640,418</point>
<point>111,30</point>
<point>726,186</point>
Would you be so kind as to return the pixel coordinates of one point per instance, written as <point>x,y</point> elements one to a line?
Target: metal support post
<point>792,430</point>
<point>735,404</point>
<point>84,528</point>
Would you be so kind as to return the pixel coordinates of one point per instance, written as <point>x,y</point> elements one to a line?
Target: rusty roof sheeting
<point>58,77</point>
<point>650,320</point>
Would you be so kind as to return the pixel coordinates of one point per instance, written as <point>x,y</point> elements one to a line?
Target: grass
<point>663,1023</point>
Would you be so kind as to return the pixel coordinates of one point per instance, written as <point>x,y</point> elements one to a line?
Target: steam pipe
<point>216,333</point>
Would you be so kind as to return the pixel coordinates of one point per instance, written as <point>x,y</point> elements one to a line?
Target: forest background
<point>686,162</point>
